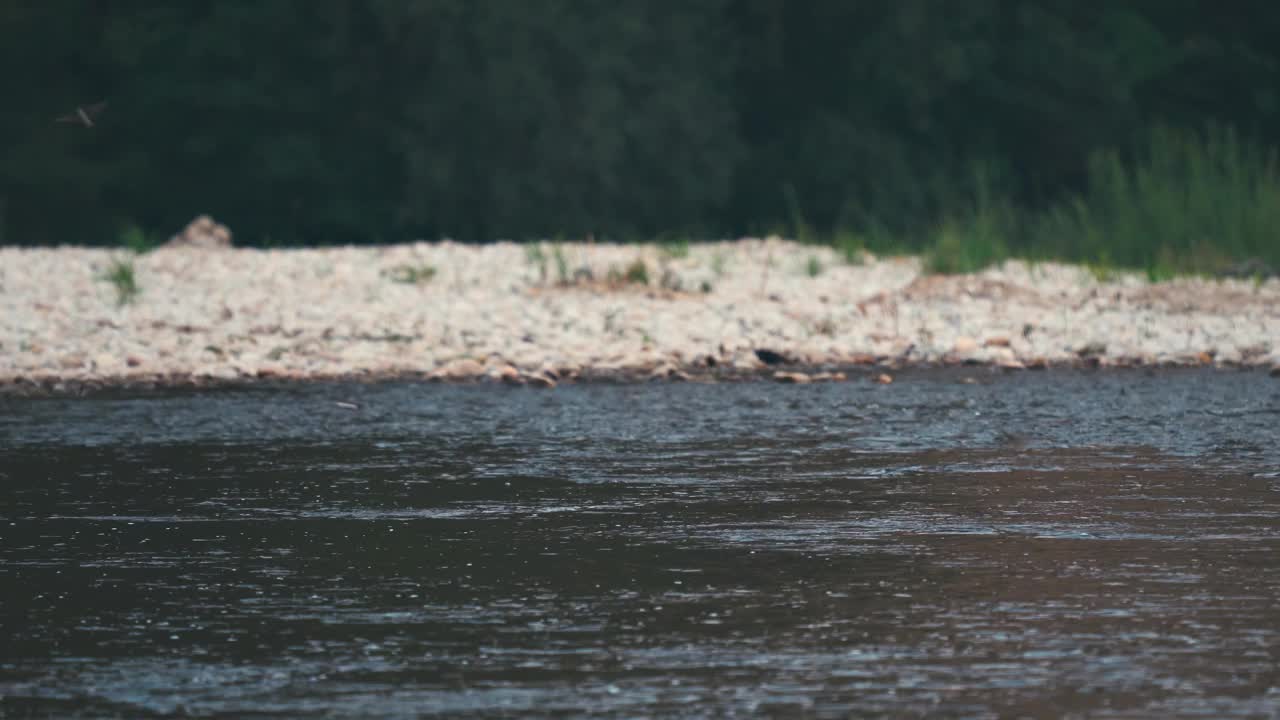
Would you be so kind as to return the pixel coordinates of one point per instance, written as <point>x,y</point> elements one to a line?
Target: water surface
<point>1038,544</point>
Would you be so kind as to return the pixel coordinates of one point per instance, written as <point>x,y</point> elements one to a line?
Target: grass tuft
<point>120,273</point>
<point>534,255</point>
<point>1102,270</point>
<point>411,274</point>
<point>851,246</point>
<point>801,230</point>
<point>719,263</point>
<point>562,264</point>
<point>637,273</point>
<point>677,249</point>
<point>976,237</point>
<point>136,240</point>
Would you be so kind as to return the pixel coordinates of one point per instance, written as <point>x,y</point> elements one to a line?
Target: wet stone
<point>794,378</point>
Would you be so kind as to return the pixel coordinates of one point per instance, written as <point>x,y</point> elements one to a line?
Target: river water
<point>956,544</point>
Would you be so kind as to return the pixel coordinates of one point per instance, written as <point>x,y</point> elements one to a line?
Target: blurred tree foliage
<point>381,120</point>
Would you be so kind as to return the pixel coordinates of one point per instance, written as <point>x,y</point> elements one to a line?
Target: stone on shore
<point>460,369</point>
<point>507,374</point>
<point>794,378</point>
<point>669,372</point>
<point>829,377</point>
<point>105,361</point>
<point>540,380</point>
<point>202,233</point>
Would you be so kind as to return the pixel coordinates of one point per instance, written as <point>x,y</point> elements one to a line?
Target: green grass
<point>813,266</point>
<point>801,230</point>
<point>120,273</point>
<point>851,246</point>
<point>562,264</point>
<point>978,235</point>
<point>961,248</point>
<point>719,263</point>
<point>1184,203</point>
<point>534,255</point>
<point>136,240</point>
<point>677,249</point>
<point>1180,202</point>
<point>1102,270</point>
<point>637,273</point>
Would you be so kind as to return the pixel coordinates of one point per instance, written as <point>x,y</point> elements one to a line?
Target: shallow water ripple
<point>1000,548</point>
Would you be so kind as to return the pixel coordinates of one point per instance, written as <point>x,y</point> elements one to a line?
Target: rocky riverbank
<point>75,318</point>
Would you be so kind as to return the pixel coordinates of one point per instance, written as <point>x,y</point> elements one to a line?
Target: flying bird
<point>83,115</point>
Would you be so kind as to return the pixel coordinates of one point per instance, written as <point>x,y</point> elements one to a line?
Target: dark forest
<point>335,121</point>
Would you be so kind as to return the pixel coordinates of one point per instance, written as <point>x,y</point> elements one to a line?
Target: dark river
<point>1027,545</point>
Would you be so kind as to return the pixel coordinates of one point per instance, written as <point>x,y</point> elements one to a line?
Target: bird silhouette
<point>83,115</point>
<point>770,357</point>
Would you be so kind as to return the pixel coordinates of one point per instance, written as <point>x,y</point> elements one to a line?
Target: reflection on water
<point>1036,544</point>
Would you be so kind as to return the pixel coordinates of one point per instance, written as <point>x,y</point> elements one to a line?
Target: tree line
<point>326,121</point>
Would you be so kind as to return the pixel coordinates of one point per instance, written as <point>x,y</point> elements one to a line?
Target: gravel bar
<point>546,314</point>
